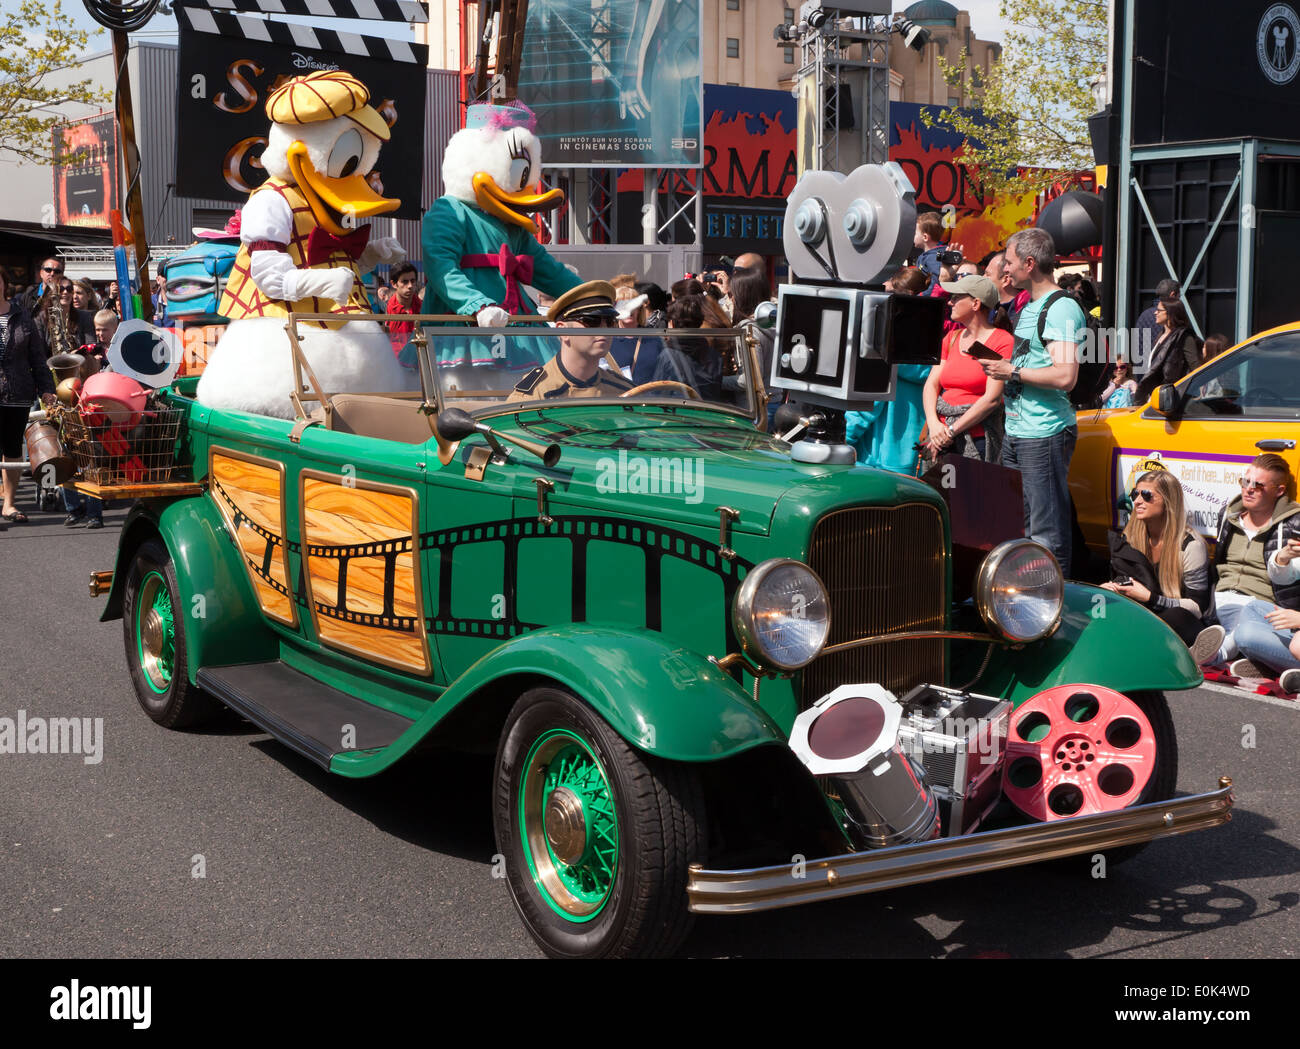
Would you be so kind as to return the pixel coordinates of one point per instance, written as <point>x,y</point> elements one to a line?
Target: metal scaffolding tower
<point>845,62</point>
<point>843,80</point>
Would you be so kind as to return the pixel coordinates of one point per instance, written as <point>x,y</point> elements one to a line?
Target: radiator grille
<point>884,569</point>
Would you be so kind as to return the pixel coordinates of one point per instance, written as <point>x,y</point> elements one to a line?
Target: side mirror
<point>1164,400</point>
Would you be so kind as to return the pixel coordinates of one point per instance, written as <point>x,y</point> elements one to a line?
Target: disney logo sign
<point>301,61</point>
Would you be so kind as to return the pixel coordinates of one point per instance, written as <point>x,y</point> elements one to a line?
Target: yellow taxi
<point>1204,429</point>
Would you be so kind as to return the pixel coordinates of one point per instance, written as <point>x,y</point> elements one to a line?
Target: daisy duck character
<point>480,246</point>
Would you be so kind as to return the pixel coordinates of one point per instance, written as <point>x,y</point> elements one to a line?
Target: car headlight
<point>781,614</point>
<point>1020,590</point>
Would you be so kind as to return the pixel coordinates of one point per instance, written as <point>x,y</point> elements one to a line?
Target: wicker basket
<point>108,456</point>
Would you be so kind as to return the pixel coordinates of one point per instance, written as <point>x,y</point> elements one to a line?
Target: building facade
<point>737,47</point>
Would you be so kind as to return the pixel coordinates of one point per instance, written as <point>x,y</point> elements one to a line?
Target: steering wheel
<point>663,384</point>
<point>1262,394</point>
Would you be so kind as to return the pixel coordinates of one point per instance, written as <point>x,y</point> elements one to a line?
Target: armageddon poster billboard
<point>86,181</point>
<point>614,84</point>
<point>222,88</point>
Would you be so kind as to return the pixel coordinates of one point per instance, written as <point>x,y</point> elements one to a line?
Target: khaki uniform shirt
<point>552,380</point>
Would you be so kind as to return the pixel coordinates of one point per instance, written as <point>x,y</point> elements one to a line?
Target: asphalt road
<point>98,860</point>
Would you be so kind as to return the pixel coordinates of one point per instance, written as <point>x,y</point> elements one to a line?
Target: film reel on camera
<point>1076,750</point>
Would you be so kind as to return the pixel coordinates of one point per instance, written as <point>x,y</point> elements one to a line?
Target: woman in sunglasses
<point>1158,560</point>
<point>1122,389</point>
<point>1177,351</point>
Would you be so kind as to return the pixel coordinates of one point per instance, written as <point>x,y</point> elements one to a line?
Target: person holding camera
<point>934,254</point>
<point>721,280</point>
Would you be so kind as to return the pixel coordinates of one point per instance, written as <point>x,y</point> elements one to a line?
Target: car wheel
<point>596,837</point>
<point>1160,785</point>
<point>153,631</point>
<point>1164,777</point>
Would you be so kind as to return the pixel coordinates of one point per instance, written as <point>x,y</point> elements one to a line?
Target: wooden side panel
<point>360,544</point>
<point>250,493</point>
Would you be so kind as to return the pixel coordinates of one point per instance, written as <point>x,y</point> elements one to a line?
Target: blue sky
<point>984,20</point>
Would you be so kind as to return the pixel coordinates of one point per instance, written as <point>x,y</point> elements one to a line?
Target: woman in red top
<point>960,400</point>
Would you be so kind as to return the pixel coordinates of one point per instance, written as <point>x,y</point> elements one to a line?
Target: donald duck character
<point>480,246</point>
<point>301,249</point>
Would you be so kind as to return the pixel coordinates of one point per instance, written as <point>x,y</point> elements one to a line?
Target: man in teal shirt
<point>1040,421</point>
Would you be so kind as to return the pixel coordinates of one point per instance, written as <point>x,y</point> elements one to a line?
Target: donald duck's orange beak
<point>336,203</point>
<point>497,202</point>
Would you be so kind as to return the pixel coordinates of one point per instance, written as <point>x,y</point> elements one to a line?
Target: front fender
<point>1104,639</point>
<point>661,698</point>
<point>226,626</point>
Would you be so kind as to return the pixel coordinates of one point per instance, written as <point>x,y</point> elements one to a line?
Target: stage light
<point>914,36</point>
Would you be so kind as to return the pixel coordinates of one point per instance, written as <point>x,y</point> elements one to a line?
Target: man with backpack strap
<point>1040,420</point>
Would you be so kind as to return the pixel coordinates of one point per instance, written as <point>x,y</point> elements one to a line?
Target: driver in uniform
<point>576,370</point>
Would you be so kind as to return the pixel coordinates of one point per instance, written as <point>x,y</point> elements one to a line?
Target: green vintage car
<point>717,677</point>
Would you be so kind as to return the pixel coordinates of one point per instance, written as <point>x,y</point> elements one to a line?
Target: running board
<point>766,888</point>
<point>302,713</point>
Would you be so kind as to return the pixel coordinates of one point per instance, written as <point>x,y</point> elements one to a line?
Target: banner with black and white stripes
<point>229,62</point>
<point>379,10</point>
<point>293,35</point>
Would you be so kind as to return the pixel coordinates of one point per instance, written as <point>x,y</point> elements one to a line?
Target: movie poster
<point>944,182</point>
<point>223,85</point>
<point>86,184</point>
<point>614,84</point>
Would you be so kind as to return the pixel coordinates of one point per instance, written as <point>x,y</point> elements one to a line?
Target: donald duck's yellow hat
<point>324,96</point>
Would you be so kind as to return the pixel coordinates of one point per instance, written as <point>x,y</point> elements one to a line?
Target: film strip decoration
<point>388,619</point>
<point>291,35</point>
<point>377,10</point>
<point>273,541</point>
<point>657,542</point>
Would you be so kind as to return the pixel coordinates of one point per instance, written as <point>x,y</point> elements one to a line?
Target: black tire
<point>156,649</point>
<point>1160,786</point>
<point>635,905</point>
<point>1164,779</point>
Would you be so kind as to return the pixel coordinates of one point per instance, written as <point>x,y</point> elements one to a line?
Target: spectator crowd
<point>1012,375</point>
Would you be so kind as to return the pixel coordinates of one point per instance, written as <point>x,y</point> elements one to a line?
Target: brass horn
<point>66,366</point>
<point>454,424</point>
<point>549,454</point>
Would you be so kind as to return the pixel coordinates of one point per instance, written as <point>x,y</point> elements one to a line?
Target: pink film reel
<point>1076,750</point>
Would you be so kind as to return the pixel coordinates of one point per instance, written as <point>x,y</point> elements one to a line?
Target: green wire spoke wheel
<point>153,629</point>
<point>155,633</point>
<point>570,828</point>
<point>597,836</point>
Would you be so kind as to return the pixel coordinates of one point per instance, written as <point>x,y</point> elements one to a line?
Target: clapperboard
<point>230,60</point>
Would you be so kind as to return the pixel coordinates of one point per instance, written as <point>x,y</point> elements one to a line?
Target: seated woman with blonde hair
<point>1159,561</point>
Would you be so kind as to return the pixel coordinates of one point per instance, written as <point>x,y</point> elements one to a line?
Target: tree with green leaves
<point>37,42</point>
<point>1034,104</point>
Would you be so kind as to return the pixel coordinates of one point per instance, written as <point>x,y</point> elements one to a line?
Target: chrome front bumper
<point>767,888</point>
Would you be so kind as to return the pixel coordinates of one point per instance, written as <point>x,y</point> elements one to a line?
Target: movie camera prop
<point>840,335</point>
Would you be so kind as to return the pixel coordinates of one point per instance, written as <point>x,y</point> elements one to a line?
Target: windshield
<point>487,370</point>
<point>1258,381</point>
